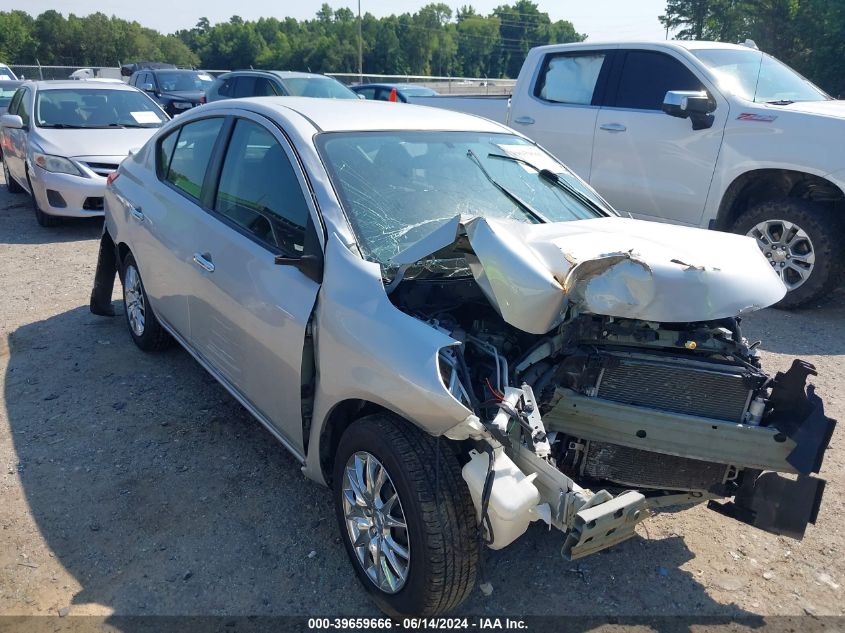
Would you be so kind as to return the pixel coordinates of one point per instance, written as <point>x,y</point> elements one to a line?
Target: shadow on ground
<point>161,495</point>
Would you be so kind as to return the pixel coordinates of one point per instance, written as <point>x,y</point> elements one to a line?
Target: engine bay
<point>680,412</point>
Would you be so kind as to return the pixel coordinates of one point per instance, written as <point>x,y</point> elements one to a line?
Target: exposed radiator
<point>678,385</point>
<point>643,469</point>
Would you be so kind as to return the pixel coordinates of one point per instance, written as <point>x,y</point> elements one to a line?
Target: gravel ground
<point>133,484</point>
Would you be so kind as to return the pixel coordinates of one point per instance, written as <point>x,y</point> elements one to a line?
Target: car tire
<point>792,228</point>
<point>11,184</point>
<point>441,534</point>
<point>143,325</point>
<point>44,219</point>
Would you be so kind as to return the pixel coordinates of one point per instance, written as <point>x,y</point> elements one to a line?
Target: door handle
<point>137,213</point>
<point>613,127</point>
<point>204,262</point>
<point>524,120</point>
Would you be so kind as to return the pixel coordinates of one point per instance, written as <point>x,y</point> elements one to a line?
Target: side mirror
<point>361,96</point>
<point>688,104</point>
<point>11,120</point>
<point>309,265</point>
<point>147,87</point>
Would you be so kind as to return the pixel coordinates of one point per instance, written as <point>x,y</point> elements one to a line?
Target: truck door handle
<point>524,120</point>
<point>203,260</point>
<point>613,127</point>
<point>137,213</point>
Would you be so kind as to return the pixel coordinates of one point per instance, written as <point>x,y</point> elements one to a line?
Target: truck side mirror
<point>689,104</point>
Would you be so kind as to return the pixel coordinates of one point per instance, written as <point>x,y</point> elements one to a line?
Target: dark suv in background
<point>175,89</point>
<point>271,83</point>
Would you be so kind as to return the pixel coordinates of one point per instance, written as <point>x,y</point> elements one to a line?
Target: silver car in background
<point>62,139</point>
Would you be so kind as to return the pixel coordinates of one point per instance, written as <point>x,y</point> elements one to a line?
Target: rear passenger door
<point>562,104</point>
<point>161,222</point>
<point>249,314</point>
<point>644,161</point>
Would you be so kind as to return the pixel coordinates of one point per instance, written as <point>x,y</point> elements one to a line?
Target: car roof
<point>64,84</point>
<point>11,83</point>
<point>346,115</point>
<point>283,74</point>
<point>169,70</point>
<point>668,44</point>
<point>390,85</point>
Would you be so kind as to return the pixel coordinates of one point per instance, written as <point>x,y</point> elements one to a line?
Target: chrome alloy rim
<point>375,522</point>
<point>788,248</point>
<point>133,297</point>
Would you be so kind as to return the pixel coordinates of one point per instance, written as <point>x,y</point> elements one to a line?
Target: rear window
<point>569,78</point>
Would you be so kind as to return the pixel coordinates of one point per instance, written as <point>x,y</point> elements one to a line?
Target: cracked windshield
<point>398,187</point>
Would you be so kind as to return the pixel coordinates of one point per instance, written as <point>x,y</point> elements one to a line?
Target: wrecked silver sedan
<point>454,332</point>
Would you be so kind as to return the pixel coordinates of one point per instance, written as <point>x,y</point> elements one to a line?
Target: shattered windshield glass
<point>397,187</point>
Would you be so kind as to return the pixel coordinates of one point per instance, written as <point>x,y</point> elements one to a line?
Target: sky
<point>599,19</point>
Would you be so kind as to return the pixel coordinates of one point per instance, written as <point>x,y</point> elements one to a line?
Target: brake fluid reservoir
<point>512,496</point>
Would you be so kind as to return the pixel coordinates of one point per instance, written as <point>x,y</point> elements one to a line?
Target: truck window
<point>569,78</point>
<point>646,78</point>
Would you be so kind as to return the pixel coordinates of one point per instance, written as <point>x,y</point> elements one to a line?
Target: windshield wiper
<point>550,176</point>
<point>527,208</point>
<point>780,102</point>
<point>63,126</point>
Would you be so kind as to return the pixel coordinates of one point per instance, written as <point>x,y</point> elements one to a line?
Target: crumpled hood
<point>92,142</point>
<point>533,273</point>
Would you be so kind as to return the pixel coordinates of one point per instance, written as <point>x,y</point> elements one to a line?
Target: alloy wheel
<point>788,248</point>
<point>134,300</point>
<point>375,522</point>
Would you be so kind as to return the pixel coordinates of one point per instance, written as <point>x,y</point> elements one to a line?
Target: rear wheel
<point>143,325</point>
<point>803,243</point>
<point>11,184</point>
<point>44,219</point>
<point>406,517</point>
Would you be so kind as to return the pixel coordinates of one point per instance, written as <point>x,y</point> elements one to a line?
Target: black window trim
<point>599,92</point>
<point>13,105</point>
<point>26,93</point>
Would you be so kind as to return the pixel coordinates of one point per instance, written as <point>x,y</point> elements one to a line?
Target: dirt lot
<point>134,484</point>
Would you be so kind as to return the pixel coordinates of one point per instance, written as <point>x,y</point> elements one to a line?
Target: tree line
<point>809,35</point>
<point>433,41</point>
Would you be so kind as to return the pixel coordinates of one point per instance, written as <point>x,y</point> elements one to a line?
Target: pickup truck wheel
<point>11,184</point>
<point>801,240</point>
<point>143,325</point>
<point>405,516</point>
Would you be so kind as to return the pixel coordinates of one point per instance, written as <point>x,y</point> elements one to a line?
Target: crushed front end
<point>602,419</point>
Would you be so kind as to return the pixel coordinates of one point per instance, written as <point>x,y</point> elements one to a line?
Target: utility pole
<point>360,48</point>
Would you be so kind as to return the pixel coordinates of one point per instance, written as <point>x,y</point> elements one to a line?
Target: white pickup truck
<point>698,133</point>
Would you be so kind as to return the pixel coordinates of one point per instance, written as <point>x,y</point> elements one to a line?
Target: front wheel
<point>405,516</point>
<point>44,219</point>
<point>11,184</point>
<point>802,241</point>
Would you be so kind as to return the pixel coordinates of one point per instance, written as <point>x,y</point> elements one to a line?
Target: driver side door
<point>648,163</point>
